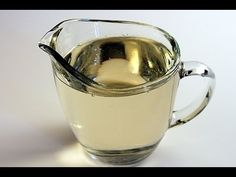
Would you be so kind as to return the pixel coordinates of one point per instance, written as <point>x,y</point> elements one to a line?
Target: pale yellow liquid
<point>127,122</point>
<point>115,123</point>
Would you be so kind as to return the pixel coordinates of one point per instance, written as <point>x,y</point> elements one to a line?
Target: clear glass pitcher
<point>117,82</point>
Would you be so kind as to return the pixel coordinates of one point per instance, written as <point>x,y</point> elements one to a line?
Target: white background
<point>33,130</point>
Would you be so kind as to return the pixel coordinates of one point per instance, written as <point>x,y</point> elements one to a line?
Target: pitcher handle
<point>194,68</point>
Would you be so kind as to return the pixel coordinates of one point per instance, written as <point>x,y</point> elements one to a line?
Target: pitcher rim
<point>149,85</point>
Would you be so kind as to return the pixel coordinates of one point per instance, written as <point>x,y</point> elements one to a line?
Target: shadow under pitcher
<point>117,82</point>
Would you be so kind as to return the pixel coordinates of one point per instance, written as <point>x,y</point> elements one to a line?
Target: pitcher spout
<point>61,66</point>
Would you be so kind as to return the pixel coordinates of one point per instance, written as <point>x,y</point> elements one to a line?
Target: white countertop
<point>33,130</point>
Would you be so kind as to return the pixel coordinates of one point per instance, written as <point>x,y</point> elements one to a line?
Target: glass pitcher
<point>117,82</point>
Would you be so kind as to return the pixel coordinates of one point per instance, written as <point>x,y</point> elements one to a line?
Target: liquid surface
<point>120,62</point>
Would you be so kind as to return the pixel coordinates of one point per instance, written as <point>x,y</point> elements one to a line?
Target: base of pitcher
<point>121,157</point>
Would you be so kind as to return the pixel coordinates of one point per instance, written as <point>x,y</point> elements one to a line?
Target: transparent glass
<point>123,122</point>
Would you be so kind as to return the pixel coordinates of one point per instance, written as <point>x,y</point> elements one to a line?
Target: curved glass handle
<point>194,68</point>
